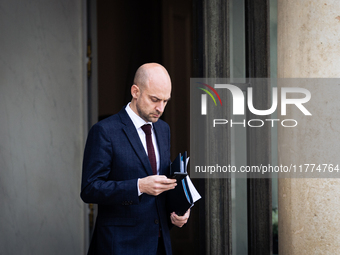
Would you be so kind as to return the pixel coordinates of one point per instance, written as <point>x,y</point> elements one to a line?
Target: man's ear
<point>135,91</point>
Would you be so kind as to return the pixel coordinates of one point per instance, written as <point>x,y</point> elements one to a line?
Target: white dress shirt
<point>139,122</point>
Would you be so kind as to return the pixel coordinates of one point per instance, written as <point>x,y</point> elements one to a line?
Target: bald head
<point>150,72</point>
<point>151,91</point>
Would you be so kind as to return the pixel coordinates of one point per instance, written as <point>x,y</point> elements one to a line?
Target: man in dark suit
<point>125,168</point>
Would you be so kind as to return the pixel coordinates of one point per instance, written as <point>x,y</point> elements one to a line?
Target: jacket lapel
<point>161,142</point>
<point>135,141</point>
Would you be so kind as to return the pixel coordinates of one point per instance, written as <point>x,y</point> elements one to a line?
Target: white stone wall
<point>308,47</point>
<point>41,127</point>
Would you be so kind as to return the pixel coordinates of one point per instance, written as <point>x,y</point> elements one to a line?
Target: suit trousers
<point>161,248</point>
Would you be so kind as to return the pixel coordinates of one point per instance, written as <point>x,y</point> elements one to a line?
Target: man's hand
<point>179,221</point>
<point>156,184</point>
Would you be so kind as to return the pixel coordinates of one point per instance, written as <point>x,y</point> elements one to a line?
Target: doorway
<point>127,34</point>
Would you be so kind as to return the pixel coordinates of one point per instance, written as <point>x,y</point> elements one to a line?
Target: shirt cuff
<point>139,193</point>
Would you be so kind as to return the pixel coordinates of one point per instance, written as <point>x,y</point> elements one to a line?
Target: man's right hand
<point>156,184</point>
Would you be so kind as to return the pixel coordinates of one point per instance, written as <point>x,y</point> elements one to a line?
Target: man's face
<point>152,99</point>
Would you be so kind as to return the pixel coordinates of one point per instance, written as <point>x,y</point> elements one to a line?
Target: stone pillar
<point>42,102</point>
<point>308,47</point>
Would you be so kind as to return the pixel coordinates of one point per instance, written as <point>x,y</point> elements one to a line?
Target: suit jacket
<point>114,159</point>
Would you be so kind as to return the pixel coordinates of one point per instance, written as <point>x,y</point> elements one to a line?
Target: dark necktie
<point>149,145</point>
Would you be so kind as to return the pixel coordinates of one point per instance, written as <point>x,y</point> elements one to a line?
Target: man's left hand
<point>179,221</point>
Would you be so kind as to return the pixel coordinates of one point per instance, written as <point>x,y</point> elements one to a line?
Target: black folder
<point>179,199</point>
<point>178,167</point>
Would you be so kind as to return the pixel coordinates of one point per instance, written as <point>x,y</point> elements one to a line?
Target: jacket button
<point>156,221</point>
